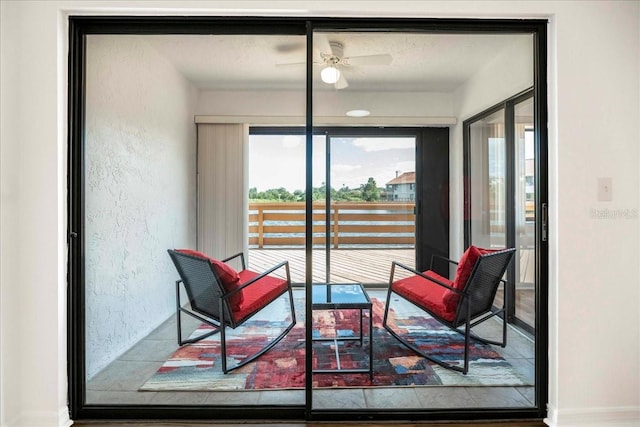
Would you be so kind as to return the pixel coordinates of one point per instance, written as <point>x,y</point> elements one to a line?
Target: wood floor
<point>347,265</point>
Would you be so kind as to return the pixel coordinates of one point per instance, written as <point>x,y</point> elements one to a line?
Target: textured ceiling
<point>429,62</point>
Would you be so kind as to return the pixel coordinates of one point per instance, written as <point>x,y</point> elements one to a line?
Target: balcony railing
<point>374,224</point>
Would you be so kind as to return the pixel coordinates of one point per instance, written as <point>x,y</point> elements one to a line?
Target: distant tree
<point>253,193</point>
<point>343,194</point>
<point>319,193</point>
<point>370,191</point>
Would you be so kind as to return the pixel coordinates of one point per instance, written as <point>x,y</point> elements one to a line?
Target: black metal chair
<point>459,302</point>
<point>217,304</point>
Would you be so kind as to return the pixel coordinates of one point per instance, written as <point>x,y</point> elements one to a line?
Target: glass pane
<point>155,181</point>
<point>378,217</point>
<point>488,182</point>
<point>525,212</point>
<point>373,188</point>
<point>277,201</point>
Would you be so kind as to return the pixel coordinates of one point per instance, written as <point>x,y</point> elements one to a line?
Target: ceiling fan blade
<point>321,42</point>
<point>381,59</point>
<point>342,81</point>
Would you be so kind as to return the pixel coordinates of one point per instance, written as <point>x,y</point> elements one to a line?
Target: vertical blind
<point>222,188</point>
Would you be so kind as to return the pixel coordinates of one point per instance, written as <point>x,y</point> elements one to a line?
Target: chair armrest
<point>239,254</point>
<point>260,276</point>
<point>450,261</point>
<point>417,273</point>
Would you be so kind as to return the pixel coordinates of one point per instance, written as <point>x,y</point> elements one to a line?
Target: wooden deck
<point>347,265</point>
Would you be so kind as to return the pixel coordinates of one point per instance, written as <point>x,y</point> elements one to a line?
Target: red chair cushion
<point>257,295</point>
<point>426,293</point>
<point>228,276</point>
<point>465,266</point>
<point>463,273</point>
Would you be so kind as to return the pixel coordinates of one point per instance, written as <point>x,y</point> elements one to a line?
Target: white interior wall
<point>597,79</point>
<point>594,107</point>
<point>140,191</point>
<point>10,205</point>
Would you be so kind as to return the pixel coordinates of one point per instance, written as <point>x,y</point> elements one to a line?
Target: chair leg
<point>182,342</point>
<point>180,310</point>
<point>467,333</point>
<point>386,307</point>
<point>416,350</point>
<point>504,330</point>
<point>254,356</point>
<point>502,343</point>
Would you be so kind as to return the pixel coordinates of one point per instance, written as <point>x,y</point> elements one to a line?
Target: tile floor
<point>118,383</point>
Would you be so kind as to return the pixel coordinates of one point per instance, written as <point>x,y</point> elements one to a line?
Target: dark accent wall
<point>432,198</point>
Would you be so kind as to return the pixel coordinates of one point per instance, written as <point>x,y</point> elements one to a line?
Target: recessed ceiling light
<point>358,113</point>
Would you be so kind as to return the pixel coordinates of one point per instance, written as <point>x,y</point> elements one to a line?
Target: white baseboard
<point>43,419</point>
<point>627,416</point>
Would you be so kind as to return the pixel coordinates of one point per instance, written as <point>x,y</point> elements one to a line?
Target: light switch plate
<point>605,189</point>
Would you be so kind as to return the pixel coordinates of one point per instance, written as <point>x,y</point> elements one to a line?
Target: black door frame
<point>81,26</point>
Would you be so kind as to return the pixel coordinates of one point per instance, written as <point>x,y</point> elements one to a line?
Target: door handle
<point>545,222</point>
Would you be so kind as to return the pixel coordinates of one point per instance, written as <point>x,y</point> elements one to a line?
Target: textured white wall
<point>140,191</point>
<point>594,101</point>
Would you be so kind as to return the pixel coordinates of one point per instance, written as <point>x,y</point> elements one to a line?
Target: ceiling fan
<point>333,61</point>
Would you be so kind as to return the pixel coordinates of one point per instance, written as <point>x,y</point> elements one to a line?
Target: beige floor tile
<point>339,399</point>
<point>118,383</point>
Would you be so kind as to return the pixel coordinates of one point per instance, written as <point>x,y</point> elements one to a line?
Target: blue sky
<point>277,161</point>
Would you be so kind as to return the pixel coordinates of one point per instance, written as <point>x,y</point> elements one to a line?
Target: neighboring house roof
<point>405,178</point>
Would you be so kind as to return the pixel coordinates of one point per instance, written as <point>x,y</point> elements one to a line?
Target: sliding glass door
<point>360,166</point>
<point>371,213</point>
<point>501,195</point>
<point>155,181</point>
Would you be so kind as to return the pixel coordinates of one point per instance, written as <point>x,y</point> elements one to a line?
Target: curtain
<point>222,189</point>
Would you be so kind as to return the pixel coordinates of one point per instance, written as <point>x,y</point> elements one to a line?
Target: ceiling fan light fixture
<point>330,74</point>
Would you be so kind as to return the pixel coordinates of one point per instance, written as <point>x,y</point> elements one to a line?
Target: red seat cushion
<point>257,295</point>
<point>229,277</point>
<point>426,293</point>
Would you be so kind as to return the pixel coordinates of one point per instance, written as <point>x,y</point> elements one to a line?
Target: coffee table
<point>336,296</point>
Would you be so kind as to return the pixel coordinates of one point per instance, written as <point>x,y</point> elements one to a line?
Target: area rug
<point>197,367</point>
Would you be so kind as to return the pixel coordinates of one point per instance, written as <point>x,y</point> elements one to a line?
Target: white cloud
<point>291,141</point>
<point>344,168</point>
<point>405,166</point>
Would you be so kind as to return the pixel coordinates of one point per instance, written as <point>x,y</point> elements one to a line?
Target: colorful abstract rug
<point>197,367</point>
